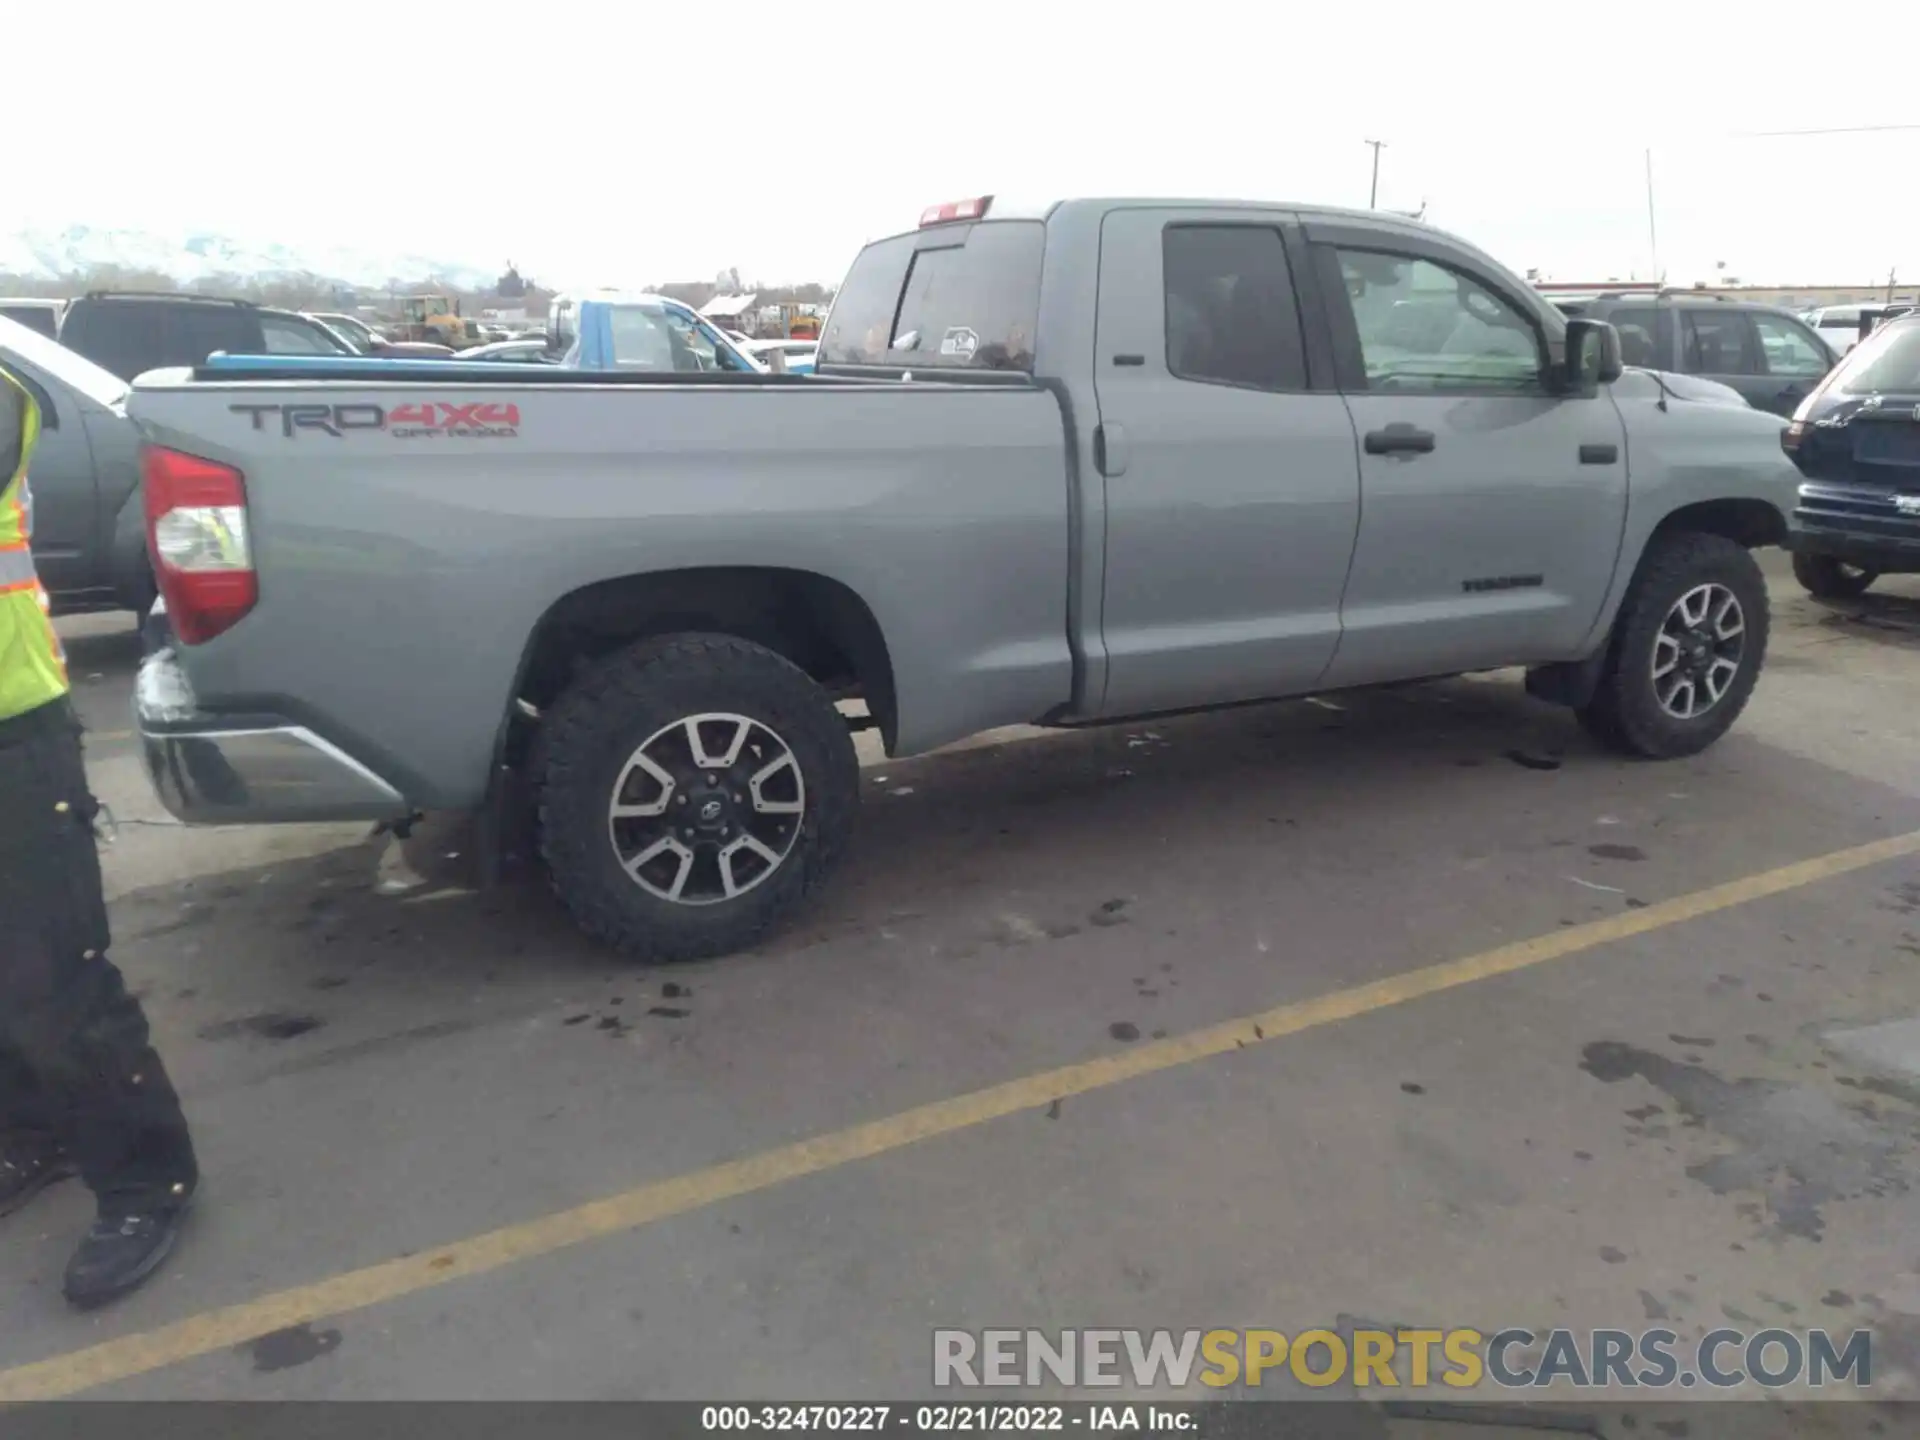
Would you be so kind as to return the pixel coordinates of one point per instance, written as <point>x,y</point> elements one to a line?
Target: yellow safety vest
<point>33,666</point>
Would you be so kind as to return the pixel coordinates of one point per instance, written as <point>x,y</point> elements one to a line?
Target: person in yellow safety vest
<point>80,1085</point>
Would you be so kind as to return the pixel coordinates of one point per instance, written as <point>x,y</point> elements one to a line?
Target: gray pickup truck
<point>1062,465</point>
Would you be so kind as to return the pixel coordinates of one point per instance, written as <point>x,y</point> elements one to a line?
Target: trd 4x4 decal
<point>460,420</point>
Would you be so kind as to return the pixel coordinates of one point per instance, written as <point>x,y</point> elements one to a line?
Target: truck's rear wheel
<point>1826,578</point>
<point>692,791</point>
<point>1687,649</point>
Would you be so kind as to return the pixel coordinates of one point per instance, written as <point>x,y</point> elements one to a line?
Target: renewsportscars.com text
<point>1463,1359</point>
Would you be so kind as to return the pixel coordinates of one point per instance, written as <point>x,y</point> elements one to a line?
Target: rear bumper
<point>1861,527</point>
<point>252,770</point>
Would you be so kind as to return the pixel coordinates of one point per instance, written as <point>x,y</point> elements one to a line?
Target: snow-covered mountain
<point>48,254</point>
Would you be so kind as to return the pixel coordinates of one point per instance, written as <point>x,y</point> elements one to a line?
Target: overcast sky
<point>595,143</point>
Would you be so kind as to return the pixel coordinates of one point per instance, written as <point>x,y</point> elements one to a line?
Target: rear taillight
<point>197,536</point>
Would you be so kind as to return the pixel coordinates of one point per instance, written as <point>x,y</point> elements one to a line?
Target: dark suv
<point>1772,357</point>
<point>1856,439</point>
<point>127,332</point>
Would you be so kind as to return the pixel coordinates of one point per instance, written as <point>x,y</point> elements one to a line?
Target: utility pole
<point>1373,191</point>
<point>1890,281</point>
<point>1653,235</point>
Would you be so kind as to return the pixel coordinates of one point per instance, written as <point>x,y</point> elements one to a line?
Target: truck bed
<point>413,524</point>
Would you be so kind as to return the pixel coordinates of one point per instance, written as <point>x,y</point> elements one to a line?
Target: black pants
<point>76,1065</point>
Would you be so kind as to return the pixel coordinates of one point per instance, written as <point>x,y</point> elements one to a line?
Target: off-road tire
<point>1625,713</point>
<point>1825,578</point>
<point>586,737</point>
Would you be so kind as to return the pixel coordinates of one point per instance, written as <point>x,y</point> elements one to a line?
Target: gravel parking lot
<point>1409,1005</point>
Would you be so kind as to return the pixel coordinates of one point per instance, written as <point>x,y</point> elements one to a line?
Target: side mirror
<point>1593,355</point>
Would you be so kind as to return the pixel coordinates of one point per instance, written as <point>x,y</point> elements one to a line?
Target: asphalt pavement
<point>1409,1006</point>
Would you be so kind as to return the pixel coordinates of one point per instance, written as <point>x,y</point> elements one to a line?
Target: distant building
<point>726,310</point>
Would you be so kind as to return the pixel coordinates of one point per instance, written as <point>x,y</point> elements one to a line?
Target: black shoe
<point>120,1252</point>
<point>26,1170</point>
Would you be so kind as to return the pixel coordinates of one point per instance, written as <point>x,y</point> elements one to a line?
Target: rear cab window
<point>948,297</point>
<point>1887,362</point>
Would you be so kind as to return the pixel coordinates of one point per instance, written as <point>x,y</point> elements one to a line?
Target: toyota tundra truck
<point>1062,465</point>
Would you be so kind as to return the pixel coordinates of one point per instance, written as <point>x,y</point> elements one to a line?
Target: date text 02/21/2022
<point>945,1419</point>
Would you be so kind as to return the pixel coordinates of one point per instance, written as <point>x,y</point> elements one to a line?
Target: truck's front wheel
<point>1687,649</point>
<point>692,791</point>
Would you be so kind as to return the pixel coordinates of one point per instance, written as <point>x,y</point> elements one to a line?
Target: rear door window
<point>1720,343</point>
<point>1639,328</point>
<point>955,297</point>
<point>1232,318</point>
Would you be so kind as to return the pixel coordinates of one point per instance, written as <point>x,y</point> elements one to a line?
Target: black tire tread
<point>1622,714</point>
<point>1821,577</point>
<point>575,726</point>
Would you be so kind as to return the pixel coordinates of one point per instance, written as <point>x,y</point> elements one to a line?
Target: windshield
<point>53,358</point>
<point>1886,361</point>
<point>356,333</point>
<point>959,297</point>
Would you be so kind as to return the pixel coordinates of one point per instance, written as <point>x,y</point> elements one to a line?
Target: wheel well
<point>1751,523</point>
<point>818,624</point>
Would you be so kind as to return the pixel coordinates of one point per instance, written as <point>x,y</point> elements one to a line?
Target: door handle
<point>1399,438</point>
<point>1599,454</point>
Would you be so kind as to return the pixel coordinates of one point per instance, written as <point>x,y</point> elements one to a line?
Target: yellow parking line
<point>222,1329</point>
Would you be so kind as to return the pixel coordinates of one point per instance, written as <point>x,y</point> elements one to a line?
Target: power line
<point>1835,130</point>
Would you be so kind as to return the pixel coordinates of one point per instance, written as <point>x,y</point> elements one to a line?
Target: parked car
<point>797,356</point>
<point>89,535</point>
<point>1065,465</point>
<point>1856,443</point>
<point>614,330</point>
<point>529,352</point>
<point>1771,356</point>
<point>35,314</point>
<point>362,339</point>
<point>1841,325</point>
<point>358,334</point>
<point>603,331</point>
<point>127,332</point>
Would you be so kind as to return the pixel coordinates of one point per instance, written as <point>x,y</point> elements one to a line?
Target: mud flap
<point>1569,682</point>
